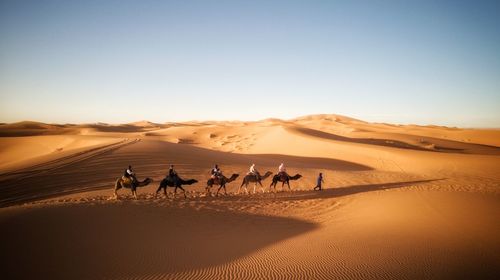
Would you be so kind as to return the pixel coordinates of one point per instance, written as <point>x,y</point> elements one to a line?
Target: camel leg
<point>117,187</point>
<point>158,190</point>
<point>180,187</point>
<point>288,183</point>
<point>225,192</point>
<point>261,187</point>
<point>217,194</point>
<point>240,187</point>
<point>134,193</point>
<point>245,186</point>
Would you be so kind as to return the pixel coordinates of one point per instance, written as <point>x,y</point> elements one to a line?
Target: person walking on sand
<point>319,181</point>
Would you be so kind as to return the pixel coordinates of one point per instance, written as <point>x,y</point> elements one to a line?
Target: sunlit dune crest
<point>398,201</point>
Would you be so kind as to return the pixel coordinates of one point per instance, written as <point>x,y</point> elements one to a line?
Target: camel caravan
<point>172,179</point>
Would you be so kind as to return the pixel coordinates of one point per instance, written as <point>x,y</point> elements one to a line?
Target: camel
<point>251,178</point>
<point>125,182</point>
<point>221,182</point>
<point>284,178</point>
<point>175,182</point>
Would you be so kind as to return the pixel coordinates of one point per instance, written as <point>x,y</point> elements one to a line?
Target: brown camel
<point>284,178</point>
<point>221,181</point>
<point>125,182</point>
<point>174,182</point>
<point>252,178</point>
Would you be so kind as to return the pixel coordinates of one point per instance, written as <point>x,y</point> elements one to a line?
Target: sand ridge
<point>400,202</point>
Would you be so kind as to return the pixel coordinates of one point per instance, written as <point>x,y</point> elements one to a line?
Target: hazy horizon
<point>249,120</point>
<point>124,61</point>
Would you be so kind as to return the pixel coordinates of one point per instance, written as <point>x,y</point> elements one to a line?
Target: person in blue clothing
<point>319,181</point>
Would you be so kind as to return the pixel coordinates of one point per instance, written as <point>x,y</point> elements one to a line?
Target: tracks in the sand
<point>15,185</point>
<point>64,161</point>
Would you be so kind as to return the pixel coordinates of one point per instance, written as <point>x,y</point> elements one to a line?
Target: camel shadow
<point>350,190</point>
<point>65,177</point>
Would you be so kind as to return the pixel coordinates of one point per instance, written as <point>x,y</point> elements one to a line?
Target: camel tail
<point>244,182</point>
<point>163,184</point>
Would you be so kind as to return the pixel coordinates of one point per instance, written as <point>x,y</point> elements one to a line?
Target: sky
<point>422,62</point>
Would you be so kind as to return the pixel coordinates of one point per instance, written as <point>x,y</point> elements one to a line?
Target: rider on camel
<point>129,173</point>
<point>282,170</point>
<point>171,172</point>
<point>216,173</point>
<point>254,171</point>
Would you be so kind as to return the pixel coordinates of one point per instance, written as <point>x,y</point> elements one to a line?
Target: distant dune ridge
<point>399,201</point>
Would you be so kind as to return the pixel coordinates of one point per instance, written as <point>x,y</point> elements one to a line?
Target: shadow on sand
<point>99,170</point>
<point>440,145</point>
<point>350,190</point>
<point>129,240</point>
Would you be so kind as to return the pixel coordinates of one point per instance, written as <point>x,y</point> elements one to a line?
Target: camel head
<point>268,173</point>
<point>233,177</point>
<point>147,181</point>
<point>191,181</point>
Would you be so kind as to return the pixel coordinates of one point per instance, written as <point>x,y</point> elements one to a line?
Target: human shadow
<point>99,170</point>
<point>350,190</point>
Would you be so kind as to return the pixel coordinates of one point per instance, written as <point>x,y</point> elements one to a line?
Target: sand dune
<point>132,241</point>
<point>26,152</point>
<point>98,168</point>
<point>400,202</point>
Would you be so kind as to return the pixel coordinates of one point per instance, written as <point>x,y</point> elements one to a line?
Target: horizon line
<point>252,121</point>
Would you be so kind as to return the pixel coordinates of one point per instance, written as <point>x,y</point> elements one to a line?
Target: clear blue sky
<point>119,61</point>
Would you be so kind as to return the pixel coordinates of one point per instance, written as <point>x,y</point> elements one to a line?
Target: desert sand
<point>399,201</point>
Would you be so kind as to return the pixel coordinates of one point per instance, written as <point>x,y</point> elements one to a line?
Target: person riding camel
<point>171,172</point>
<point>129,173</point>
<point>216,173</point>
<point>282,170</point>
<point>254,171</point>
